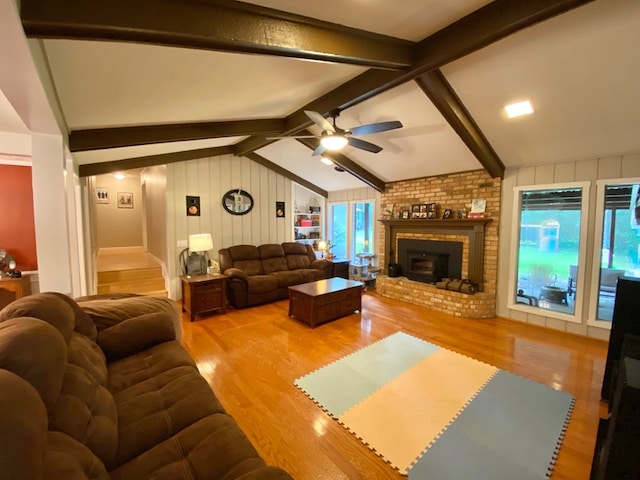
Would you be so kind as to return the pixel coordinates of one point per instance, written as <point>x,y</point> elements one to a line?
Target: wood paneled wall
<point>210,179</point>
<point>615,167</point>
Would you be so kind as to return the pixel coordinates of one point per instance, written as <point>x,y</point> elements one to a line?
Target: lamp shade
<point>200,242</point>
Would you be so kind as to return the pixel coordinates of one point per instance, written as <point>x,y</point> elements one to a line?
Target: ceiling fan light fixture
<point>333,142</point>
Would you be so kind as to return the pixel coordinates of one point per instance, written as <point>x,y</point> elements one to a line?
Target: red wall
<point>17,226</point>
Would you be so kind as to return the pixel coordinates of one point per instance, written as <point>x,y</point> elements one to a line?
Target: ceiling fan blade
<point>320,121</point>
<point>363,145</point>
<point>292,136</point>
<point>375,128</point>
<point>319,151</point>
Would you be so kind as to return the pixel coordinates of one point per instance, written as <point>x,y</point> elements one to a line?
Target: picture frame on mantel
<point>405,214</point>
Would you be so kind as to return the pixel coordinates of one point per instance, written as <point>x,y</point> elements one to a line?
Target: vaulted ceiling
<point>154,81</point>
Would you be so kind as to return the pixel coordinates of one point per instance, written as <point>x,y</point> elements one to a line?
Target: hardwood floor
<point>251,358</point>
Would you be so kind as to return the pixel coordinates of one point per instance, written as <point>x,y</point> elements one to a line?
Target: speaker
<point>395,270</point>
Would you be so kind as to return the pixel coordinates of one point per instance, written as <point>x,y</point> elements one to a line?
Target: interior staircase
<point>129,270</point>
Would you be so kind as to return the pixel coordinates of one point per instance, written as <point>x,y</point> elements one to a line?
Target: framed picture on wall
<point>125,200</point>
<point>102,195</point>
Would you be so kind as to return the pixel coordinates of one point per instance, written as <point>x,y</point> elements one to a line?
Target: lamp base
<point>196,264</point>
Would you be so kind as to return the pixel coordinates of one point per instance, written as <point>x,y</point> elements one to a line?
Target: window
<point>549,247</point>
<point>351,228</point>
<point>362,227</point>
<point>618,244</point>
<point>338,230</point>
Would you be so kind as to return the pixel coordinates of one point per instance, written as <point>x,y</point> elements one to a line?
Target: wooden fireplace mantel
<point>473,229</point>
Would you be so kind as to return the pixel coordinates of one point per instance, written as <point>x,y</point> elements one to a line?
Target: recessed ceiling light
<point>518,109</point>
<point>119,176</point>
<point>326,161</point>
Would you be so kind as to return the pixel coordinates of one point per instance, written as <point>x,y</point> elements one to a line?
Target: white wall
<point>624,166</point>
<point>210,179</point>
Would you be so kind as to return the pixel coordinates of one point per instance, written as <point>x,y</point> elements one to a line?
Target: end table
<point>203,293</point>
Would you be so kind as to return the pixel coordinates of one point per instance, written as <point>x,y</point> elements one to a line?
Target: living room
<point>572,155</point>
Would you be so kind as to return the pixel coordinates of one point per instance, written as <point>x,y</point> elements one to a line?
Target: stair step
<point>115,276</point>
<point>140,286</point>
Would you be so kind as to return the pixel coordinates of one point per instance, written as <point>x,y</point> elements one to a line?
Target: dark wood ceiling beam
<point>150,161</point>
<point>488,24</point>
<point>102,138</point>
<point>225,26</point>
<point>436,87</point>
<point>286,173</point>
<point>345,162</point>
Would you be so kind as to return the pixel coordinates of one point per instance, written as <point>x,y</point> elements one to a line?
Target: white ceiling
<point>580,70</point>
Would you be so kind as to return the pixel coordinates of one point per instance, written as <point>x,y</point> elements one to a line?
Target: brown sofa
<point>103,390</point>
<point>264,274</point>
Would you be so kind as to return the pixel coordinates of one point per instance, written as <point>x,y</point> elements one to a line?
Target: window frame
<point>351,224</point>
<point>512,304</point>
<point>594,287</point>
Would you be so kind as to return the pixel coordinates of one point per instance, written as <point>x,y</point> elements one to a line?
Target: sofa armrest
<point>136,334</point>
<point>323,265</point>
<point>236,273</point>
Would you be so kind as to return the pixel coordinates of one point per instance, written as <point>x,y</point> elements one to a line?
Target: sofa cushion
<point>83,323</point>
<point>108,312</point>
<point>311,274</point>
<point>154,410</point>
<point>272,256</point>
<point>250,267</point>
<point>288,278</point>
<point>136,334</point>
<point>45,306</point>
<point>23,429</point>
<point>247,258</point>
<point>68,459</point>
<point>213,447</point>
<point>262,283</point>
<point>35,351</point>
<point>83,352</point>
<point>86,411</point>
<point>146,365</point>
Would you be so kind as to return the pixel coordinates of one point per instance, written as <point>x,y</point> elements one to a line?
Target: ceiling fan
<point>335,138</point>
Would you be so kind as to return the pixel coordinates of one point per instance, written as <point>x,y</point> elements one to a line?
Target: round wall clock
<point>237,202</point>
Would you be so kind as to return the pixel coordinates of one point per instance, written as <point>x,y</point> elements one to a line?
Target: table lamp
<point>199,245</point>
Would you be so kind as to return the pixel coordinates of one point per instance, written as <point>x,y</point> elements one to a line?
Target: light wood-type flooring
<point>251,358</point>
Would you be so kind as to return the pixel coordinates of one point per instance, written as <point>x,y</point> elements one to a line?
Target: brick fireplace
<point>479,240</point>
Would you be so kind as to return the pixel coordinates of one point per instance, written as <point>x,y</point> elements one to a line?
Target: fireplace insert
<point>425,266</point>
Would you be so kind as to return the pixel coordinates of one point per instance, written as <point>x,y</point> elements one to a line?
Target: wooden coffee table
<point>325,300</point>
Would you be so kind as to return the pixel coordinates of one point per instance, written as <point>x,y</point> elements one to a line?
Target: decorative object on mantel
<point>458,285</point>
<point>388,210</point>
<point>478,207</point>
<point>431,211</point>
<point>447,213</point>
<point>405,214</point>
<point>462,213</point>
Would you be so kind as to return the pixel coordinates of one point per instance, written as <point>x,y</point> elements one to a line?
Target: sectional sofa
<point>102,389</point>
